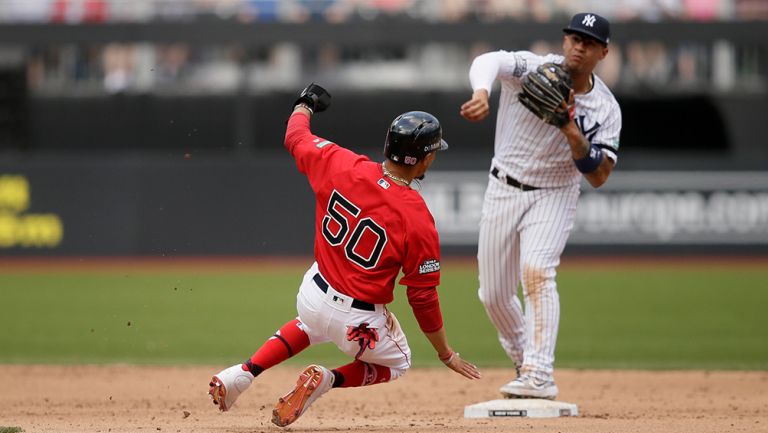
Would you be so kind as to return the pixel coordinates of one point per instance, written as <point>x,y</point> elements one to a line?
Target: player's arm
<point>298,127</point>
<point>313,99</point>
<point>485,69</point>
<point>483,72</point>
<point>426,307</point>
<point>590,160</point>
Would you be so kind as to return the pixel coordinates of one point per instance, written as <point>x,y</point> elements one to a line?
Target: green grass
<point>648,318</point>
<point>11,429</point>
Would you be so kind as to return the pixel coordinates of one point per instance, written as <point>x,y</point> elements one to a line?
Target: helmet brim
<point>443,145</point>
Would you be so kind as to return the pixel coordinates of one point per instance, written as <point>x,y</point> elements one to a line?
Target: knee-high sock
<point>287,342</point>
<point>359,373</point>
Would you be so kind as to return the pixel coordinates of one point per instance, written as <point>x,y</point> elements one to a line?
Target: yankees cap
<point>592,25</point>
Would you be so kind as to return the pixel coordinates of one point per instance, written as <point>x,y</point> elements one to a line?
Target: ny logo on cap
<point>589,20</point>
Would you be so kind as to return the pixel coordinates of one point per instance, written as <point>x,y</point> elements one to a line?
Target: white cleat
<point>313,382</point>
<point>528,387</point>
<point>226,386</point>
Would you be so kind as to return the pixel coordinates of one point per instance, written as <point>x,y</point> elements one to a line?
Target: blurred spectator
<point>131,11</point>
<point>334,11</point>
<point>261,10</point>
<point>222,9</point>
<point>25,11</point>
<point>610,68</point>
<point>498,10</point>
<point>690,67</point>
<point>225,67</point>
<point>372,9</point>
<point>79,11</point>
<point>646,64</point>
<point>118,67</point>
<point>171,62</point>
<point>649,10</point>
<point>447,11</point>
<point>173,10</point>
<point>751,9</point>
<point>704,10</point>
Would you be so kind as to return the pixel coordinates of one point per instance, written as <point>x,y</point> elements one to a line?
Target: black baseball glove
<point>547,92</point>
<point>316,98</point>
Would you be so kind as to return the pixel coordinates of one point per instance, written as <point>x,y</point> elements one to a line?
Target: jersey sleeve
<point>508,66</point>
<point>520,63</point>
<point>426,307</point>
<point>607,137</point>
<point>421,263</point>
<point>316,157</point>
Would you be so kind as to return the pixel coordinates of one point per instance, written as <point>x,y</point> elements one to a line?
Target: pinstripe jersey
<point>526,148</point>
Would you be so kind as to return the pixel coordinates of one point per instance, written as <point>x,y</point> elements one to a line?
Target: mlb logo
<point>383,183</point>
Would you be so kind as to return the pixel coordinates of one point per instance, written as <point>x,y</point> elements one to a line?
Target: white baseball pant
<point>522,235</point>
<point>325,316</point>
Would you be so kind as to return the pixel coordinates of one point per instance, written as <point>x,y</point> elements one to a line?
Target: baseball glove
<point>316,98</point>
<point>547,92</point>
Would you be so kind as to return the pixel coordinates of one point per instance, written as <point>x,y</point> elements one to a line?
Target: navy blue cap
<point>592,25</point>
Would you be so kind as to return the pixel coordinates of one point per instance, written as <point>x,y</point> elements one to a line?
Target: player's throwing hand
<point>477,108</point>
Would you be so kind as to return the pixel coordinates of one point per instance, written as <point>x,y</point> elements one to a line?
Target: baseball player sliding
<point>369,224</point>
<point>557,122</point>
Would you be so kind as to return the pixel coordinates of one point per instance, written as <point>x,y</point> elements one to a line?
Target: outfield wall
<point>175,205</point>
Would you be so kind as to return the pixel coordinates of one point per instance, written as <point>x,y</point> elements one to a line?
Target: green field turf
<point>649,318</point>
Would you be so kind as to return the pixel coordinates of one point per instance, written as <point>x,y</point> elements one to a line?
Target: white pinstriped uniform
<point>523,233</point>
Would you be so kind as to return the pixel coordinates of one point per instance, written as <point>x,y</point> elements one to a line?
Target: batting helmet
<point>412,136</point>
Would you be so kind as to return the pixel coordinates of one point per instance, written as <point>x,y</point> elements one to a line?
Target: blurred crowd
<point>179,68</point>
<point>635,66</point>
<point>94,11</point>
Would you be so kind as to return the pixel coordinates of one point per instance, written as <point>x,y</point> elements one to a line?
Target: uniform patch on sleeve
<point>521,65</point>
<point>321,143</point>
<point>429,266</point>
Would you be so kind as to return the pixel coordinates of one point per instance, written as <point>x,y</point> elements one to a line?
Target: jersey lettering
<point>588,133</point>
<point>381,239</point>
<point>341,220</point>
<point>338,203</point>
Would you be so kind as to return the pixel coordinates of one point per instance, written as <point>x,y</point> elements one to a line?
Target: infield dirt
<point>120,398</point>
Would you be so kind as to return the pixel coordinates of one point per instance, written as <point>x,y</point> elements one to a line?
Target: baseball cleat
<point>226,386</point>
<point>528,387</point>
<point>313,382</point>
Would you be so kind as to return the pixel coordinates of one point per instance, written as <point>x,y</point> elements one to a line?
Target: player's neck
<point>582,83</point>
<point>395,173</point>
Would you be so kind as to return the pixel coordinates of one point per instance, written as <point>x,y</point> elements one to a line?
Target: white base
<point>521,407</point>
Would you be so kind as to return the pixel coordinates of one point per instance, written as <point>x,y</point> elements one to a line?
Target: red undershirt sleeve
<point>426,307</point>
<point>297,131</point>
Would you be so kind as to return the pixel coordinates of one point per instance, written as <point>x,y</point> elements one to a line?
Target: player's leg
<point>312,383</point>
<point>288,341</point>
<point>227,385</point>
<point>358,373</point>
<point>498,265</point>
<point>385,360</point>
<point>293,337</point>
<point>544,231</point>
<point>388,360</point>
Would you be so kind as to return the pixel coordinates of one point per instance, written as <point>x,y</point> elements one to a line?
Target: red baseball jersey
<point>367,228</point>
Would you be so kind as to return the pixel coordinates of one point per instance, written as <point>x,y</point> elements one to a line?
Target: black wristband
<point>591,160</point>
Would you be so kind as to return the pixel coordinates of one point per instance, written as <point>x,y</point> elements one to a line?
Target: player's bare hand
<point>477,108</point>
<point>464,368</point>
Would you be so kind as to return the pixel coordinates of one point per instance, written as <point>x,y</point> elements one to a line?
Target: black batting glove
<point>315,97</point>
